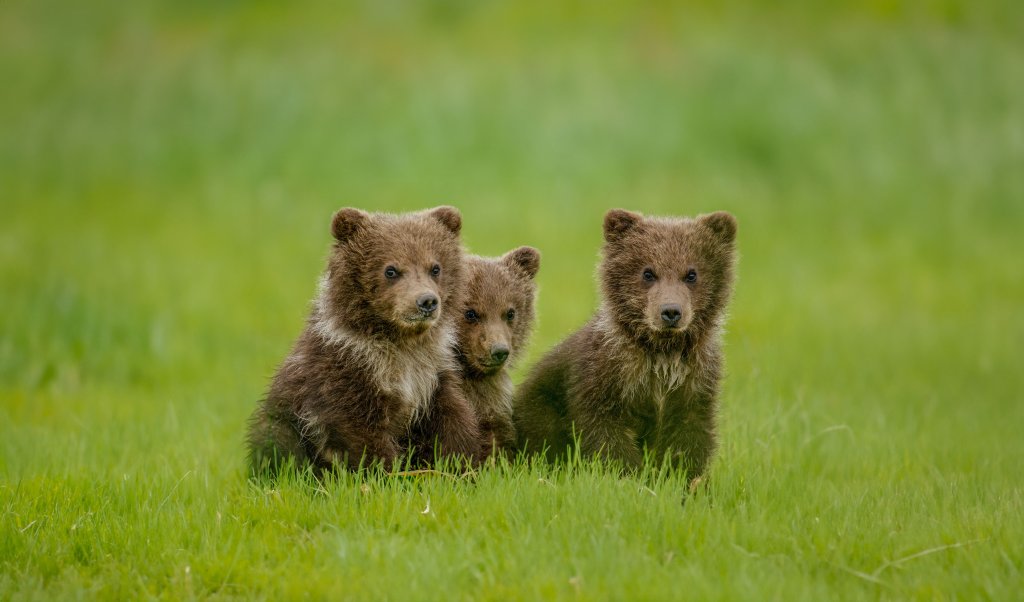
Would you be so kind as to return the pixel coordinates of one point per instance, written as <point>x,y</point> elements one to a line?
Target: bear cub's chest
<point>413,385</point>
<point>655,378</point>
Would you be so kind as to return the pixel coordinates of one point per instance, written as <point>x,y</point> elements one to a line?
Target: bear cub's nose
<point>499,353</point>
<point>671,314</point>
<point>427,303</point>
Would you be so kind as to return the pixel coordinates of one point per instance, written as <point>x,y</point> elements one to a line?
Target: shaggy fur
<point>497,318</point>
<point>374,370</point>
<point>644,372</point>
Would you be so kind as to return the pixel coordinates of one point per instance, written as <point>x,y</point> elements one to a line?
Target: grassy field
<point>167,176</point>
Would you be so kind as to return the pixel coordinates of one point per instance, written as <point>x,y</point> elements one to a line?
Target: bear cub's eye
<point>510,315</point>
<point>471,316</point>
<point>691,276</point>
<point>435,271</point>
<point>391,272</point>
<point>649,275</point>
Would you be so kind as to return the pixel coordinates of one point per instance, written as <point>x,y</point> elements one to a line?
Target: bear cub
<point>495,324</point>
<point>374,369</point>
<point>644,373</point>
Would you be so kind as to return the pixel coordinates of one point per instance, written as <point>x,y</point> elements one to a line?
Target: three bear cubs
<point>407,347</point>
<point>375,374</point>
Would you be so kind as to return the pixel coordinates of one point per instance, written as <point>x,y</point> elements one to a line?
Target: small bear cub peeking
<point>374,368</point>
<point>644,373</point>
<point>496,322</point>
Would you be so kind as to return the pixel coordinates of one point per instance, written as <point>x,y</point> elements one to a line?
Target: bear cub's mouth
<point>422,321</point>
<point>490,366</point>
<point>669,332</point>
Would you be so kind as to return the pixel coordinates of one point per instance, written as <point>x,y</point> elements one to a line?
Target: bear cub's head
<point>497,310</point>
<point>394,275</point>
<point>666,281</point>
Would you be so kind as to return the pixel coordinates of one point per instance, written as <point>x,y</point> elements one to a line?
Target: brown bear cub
<point>643,374</point>
<point>496,322</point>
<point>374,368</point>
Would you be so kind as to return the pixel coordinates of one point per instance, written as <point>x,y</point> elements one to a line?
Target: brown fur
<point>372,372</point>
<point>494,287</point>
<point>625,382</point>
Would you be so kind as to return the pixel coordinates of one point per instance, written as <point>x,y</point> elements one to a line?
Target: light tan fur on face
<point>412,245</point>
<point>398,297</point>
<point>491,330</point>
<point>495,286</point>
<point>669,249</point>
<point>668,290</point>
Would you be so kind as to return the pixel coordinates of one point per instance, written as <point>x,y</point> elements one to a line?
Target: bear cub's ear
<point>525,260</point>
<point>449,217</point>
<point>618,222</point>
<point>722,223</point>
<point>347,222</point>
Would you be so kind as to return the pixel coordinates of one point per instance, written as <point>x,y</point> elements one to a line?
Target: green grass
<point>167,174</point>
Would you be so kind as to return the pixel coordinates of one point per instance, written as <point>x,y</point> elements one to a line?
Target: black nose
<point>427,302</point>
<point>499,353</point>
<point>670,314</point>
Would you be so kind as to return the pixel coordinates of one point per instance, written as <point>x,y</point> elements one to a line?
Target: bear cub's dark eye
<point>510,315</point>
<point>391,272</point>
<point>649,275</point>
<point>435,271</point>
<point>691,276</point>
<point>471,316</point>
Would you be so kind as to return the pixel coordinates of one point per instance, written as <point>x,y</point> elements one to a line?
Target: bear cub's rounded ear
<point>618,222</point>
<point>525,260</point>
<point>347,222</point>
<point>722,223</point>
<point>449,217</point>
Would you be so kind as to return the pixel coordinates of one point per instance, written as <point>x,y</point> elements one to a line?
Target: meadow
<point>167,176</point>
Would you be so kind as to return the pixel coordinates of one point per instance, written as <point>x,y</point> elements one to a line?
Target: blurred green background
<point>167,176</point>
